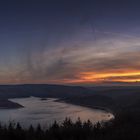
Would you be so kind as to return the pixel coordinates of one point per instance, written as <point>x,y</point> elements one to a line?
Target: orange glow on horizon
<point>130,76</point>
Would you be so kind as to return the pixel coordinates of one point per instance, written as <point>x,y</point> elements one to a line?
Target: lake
<point>47,111</point>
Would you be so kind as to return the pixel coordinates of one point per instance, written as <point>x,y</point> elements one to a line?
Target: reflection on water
<point>47,111</point>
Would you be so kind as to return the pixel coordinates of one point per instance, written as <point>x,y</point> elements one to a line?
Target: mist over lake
<point>45,112</point>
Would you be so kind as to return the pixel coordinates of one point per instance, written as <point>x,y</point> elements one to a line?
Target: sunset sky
<point>69,41</point>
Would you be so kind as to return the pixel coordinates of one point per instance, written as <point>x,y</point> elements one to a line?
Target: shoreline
<point>7,104</point>
<point>90,106</point>
<point>18,106</point>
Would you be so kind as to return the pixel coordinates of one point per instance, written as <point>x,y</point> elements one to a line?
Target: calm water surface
<point>47,111</point>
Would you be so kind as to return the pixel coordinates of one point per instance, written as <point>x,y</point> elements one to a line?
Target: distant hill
<point>115,98</point>
<point>42,90</point>
<point>6,104</point>
<point>91,100</point>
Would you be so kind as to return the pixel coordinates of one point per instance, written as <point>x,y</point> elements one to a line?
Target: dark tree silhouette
<point>118,129</point>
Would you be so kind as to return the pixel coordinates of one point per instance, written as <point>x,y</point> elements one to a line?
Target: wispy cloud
<point>67,62</point>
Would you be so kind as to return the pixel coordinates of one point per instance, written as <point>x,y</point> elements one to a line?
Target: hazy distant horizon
<point>82,85</point>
